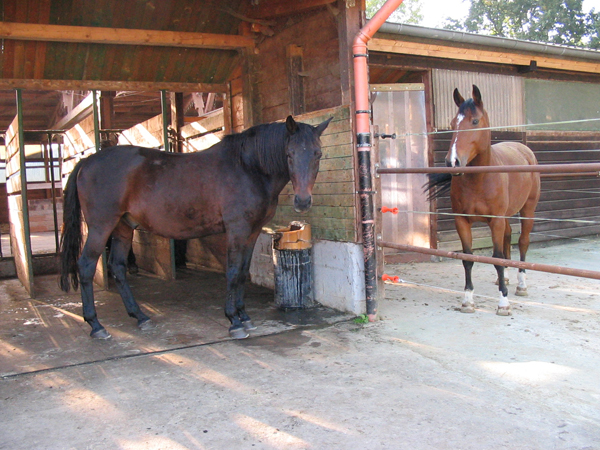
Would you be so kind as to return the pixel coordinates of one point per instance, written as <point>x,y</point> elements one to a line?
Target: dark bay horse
<point>480,196</point>
<point>228,192</point>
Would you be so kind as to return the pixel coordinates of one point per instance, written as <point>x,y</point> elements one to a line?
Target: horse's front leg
<point>239,255</point>
<point>463,227</point>
<point>497,226</point>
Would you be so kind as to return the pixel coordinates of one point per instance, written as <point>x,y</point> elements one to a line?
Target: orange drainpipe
<point>363,147</point>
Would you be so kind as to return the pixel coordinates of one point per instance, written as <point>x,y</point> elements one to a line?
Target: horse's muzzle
<point>302,204</point>
<point>454,164</point>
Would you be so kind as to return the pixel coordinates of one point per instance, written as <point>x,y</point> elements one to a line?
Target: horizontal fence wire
<point>502,127</point>
<point>544,219</point>
<point>540,168</point>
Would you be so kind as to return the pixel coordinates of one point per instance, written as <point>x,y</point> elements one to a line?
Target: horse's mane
<point>260,148</point>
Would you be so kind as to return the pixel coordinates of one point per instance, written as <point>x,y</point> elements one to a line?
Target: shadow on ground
<point>48,332</point>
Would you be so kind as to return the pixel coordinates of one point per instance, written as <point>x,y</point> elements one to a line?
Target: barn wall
<point>502,96</point>
<point>572,199</point>
<point>315,35</point>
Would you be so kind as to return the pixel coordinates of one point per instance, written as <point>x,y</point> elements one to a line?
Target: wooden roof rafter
<point>122,36</point>
<point>107,85</point>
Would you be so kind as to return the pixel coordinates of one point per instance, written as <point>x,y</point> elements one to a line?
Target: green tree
<point>551,21</point>
<point>410,11</point>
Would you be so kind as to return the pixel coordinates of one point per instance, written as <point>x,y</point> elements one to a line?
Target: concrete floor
<point>425,376</point>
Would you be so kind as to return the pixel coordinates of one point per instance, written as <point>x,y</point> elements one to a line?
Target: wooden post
<point>107,115</point>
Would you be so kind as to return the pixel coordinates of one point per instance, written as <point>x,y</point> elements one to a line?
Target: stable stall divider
<point>18,210</point>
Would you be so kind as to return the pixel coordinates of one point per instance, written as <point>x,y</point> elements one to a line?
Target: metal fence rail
<point>498,261</point>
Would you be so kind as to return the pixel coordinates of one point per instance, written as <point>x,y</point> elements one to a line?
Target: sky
<point>436,11</point>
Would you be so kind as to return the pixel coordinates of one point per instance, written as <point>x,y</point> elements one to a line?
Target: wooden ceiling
<point>133,47</point>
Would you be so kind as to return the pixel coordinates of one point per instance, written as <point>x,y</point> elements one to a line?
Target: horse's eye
<point>475,121</point>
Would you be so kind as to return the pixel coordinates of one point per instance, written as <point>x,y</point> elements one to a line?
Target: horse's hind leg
<point>506,247</point>
<point>497,226</point>
<point>463,227</point>
<point>526,227</point>
<point>93,248</point>
<point>121,245</point>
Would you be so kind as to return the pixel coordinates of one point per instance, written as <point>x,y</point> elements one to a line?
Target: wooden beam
<point>81,111</point>
<point>478,55</point>
<point>105,85</point>
<point>275,8</point>
<point>121,36</point>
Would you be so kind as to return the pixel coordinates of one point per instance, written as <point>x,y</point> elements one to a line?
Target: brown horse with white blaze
<point>488,197</point>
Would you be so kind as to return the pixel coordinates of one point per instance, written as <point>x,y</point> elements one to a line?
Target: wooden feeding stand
<point>292,259</point>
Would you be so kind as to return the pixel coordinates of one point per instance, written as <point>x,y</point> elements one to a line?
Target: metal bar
<point>497,261</point>
<point>53,192</point>
<point>165,118</point>
<point>542,168</point>
<point>578,174</point>
<point>165,122</point>
<point>96,120</point>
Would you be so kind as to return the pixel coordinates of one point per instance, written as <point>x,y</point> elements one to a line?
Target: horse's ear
<point>291,125</point>
<point>477,96</point>
<point>321,127</point>
<point>458,99</point>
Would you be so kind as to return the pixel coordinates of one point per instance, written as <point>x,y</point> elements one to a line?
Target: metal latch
<point>385,136</point>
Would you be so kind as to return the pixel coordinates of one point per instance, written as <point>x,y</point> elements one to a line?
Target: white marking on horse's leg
<point>522,278</point>
<point>468,305</point>
<point>522,286</point>
<point>504,308</point>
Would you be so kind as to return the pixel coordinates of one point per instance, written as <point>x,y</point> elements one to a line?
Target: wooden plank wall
<point>567,198</point>
<point>78,143</point>
<point>315,33</point>
<point>564,198</point>
<point>16,186</point>
<point>333,214</point>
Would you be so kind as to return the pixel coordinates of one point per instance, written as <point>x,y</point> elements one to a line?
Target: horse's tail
<point>71,238</point>
<point>438,185</point>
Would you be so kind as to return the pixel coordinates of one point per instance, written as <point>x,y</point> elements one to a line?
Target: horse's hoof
<point>238,333</point>
<point>467,309</point>
<point>146,325</point>
<point>521,292</point>
<point>248,325</point>
<point>100,334</point>
<point>504,311</point>
<point>506,282</point>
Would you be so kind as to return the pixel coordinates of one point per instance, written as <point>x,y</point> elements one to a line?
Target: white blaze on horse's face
<point>303,157</point>
<point>452,160</point>
<point>465,143</point>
